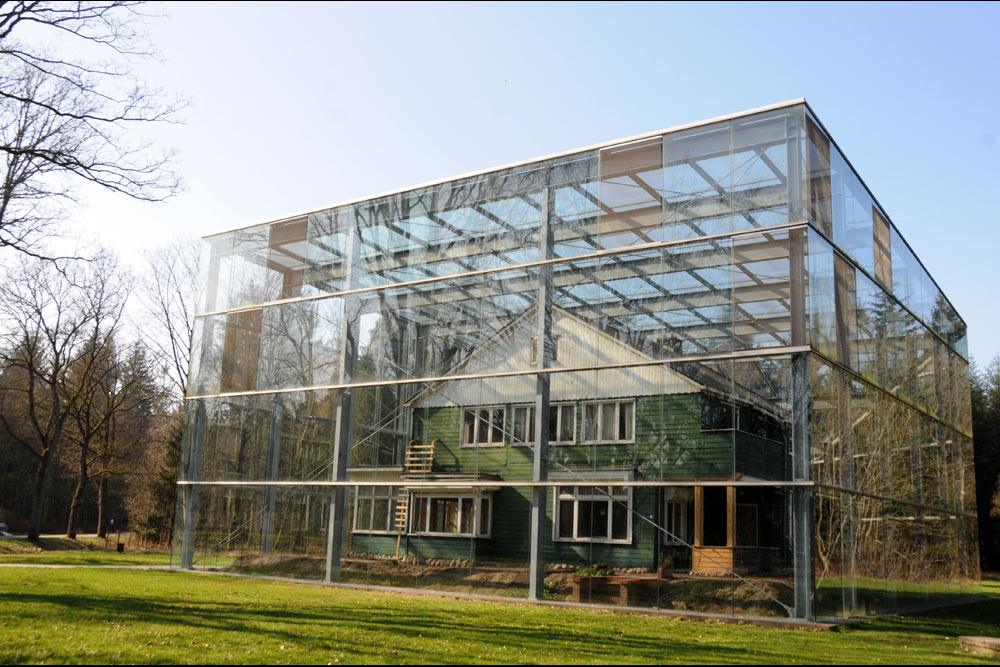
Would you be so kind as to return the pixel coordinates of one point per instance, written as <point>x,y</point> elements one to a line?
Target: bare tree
<point>110,418</point>
<point>167,293</point>
<point>51,320</point>
<point>69,120</point>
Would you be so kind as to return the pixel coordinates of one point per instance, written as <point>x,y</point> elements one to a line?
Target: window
<point>483,427</point>
<point>609,422</point>
<point>460,515</point>
<point>594,514</point>
<point>716,415</point>
<point>534,349</point>
<point>562,424</point>
<point>676,519</point>
<point>375,509</point>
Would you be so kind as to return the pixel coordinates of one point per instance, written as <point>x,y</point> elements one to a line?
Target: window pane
<point>600,521</point>
<point>625,421</point>
<point>391,524</point>
<point>484,516</point>
<point>608,421</point>
<point>483,427</point>
<point>553,423</point>
<point>518,430</point>
<point>566,518</point>
<point>467,516</point>
<point>380,518</point>
<point>584,518</point>
<point>590,422</point>
<point>444,515</point>
<point>619,521</point>
<point>497,435</point>
<point>364,521</point>
<point>469,429</point>
<point>419,521</point>
<point>567,423</point>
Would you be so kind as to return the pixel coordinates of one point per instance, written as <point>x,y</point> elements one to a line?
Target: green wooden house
<point>614,433</point>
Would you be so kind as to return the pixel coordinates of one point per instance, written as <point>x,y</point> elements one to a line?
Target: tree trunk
<point>81,485</point>
<point>102,509</point>
<point>38,497</point>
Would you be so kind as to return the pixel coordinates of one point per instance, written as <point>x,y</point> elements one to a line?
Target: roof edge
<point>480,172</point>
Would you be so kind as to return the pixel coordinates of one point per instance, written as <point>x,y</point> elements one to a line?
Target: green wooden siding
<point>669,444</point>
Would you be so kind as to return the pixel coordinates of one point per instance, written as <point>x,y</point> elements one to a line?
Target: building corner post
<point>543,325</point>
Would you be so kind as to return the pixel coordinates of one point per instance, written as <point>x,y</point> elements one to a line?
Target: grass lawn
<point>64,551</point>
<point>125,616</point>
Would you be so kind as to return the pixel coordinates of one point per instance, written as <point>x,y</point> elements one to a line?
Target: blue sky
<point>299,106</point>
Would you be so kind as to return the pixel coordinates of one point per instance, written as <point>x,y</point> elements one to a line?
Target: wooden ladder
<point>419,458</point>
<point>401,517</point>
<point>402,512</point>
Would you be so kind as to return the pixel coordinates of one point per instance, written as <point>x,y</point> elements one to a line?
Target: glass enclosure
<point>697,370</point>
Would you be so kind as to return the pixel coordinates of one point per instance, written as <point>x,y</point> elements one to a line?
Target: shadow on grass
<point>406,623</point>
<point>973,618</point>
<point>210,610</point>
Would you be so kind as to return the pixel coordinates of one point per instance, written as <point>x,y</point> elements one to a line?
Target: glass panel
<point>762,144</point>
<point>697,182</point>
<point>624,421</point>
<point>822,300</point>
<point>762,294</point>
<point>484,516</point>
<point>818,169</point>
<point>300,344</point>
<point>496,434</point>
<point>599,519</point>
<point>619,520</point>
<point>590,422</point>
<point>207,344</point>
<point>249,273</point>
<point>363,520</point>
<point>853,213</point>
<point>240,351</point>
<point>631,194</point>
<point>469,427</point>
<point>567,422</point>
<point>215,266</point>
<point>566,508</point>
<point>883,249</point>
<point>467,517</point>
<point>847,317</point>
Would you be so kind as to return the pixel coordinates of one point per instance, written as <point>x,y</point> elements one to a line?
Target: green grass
<point>64,551</point>
<point>119,616</point>
<point>87,558</point>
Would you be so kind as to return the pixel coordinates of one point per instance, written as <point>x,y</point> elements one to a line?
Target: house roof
<point>580,342</point>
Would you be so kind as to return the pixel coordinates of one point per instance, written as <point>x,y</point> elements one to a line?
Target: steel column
<point>543,329</point>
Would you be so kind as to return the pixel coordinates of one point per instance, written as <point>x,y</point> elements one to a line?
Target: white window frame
<point>530,414</point>
<point>419,525</point>
<point>600,419</point>
<point>477,441</point>
<point>572,494</point>
<point>370,493</point>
